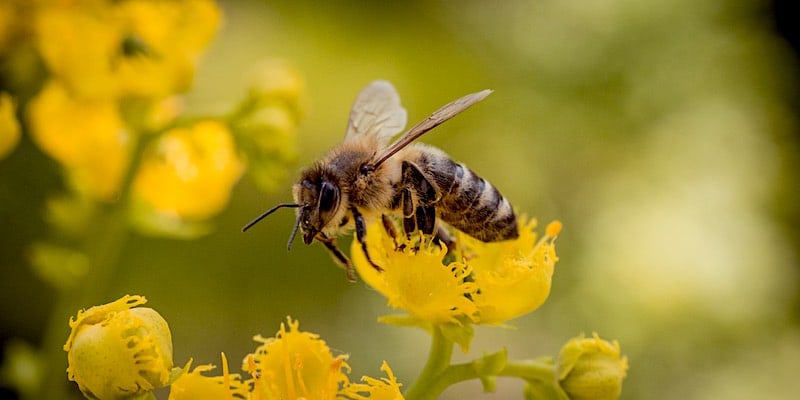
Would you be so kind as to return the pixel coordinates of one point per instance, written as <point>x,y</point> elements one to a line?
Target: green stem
<point>530,370</point>
<point>541,369</point>
<point>102,246</point>
<point>438,361</point>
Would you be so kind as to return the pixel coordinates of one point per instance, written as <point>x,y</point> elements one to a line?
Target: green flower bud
<point>591,369</point>
<point>116,351</point>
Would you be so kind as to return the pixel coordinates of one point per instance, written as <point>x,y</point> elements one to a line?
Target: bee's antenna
<point>270,211</point>
<point>294,232</point>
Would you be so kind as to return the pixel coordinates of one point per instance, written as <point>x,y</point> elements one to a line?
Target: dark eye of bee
<point>328,197</point>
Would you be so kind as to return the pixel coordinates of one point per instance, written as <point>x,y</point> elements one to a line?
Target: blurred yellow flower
<point>9,126</point>
<point>591,369</point>
<point>78,41</point>
<point>416,281</point>
<point>86,136</point>
<point>514,276</point>
<point>196,386</point>
<point>295,365</point>
<point>166,38</point>
<point>142,48</point>
<point>493,282</point>
<point>11,16</point>
<point>117,351</point>
<point>189,172</point>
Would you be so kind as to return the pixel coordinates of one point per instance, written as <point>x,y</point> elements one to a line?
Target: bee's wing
<point>441,115</point>
<point>376,112</point>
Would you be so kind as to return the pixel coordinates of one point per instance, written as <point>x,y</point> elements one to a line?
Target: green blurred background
<point>662,134</point>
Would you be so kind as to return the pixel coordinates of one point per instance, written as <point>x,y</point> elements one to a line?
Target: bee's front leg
<point>340,258</point>
<point>361,236</point>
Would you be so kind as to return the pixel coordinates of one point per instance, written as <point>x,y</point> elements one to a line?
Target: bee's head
<point>319,198</point>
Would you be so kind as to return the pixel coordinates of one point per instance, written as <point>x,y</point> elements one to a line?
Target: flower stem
<point>540,370</point>
<point>103,246</point>
<point>438,361</point>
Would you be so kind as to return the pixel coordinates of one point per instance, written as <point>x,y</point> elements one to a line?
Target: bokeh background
<point>662,134</point>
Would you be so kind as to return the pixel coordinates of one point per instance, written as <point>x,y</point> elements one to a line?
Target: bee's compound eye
<point>328,197</point>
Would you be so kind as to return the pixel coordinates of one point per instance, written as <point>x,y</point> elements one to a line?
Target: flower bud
<point>591,369</point>
<point>119,352</point>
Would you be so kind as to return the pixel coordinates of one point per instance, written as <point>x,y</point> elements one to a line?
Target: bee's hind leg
<point>443,237</point>
<point>421,215</point>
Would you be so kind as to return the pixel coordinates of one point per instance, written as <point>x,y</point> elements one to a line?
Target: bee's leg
<point>338,256</point>
<point>426,219</point>
<point>409,222</point>
<point>361,233</point>
<point>443,237</point>
<point>423,214</point>
<point>388,225</point>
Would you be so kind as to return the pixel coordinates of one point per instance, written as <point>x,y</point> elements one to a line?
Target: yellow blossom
<point>514,276</point>
<point>416,281</point>
<point>375,389</point>
<point>491,283</point>
<point>171,36</point>
<point>189,172</point>
<point>86,136</point>
<point>9,126</point>
<point>194,385</point>
<point>143,48</point>
<point>295,365</point>
<point>116,351</point>
<point>77,41</point>
<point>591,369</point>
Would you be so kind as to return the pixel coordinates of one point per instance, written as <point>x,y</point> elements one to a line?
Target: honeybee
<point>364,176</point>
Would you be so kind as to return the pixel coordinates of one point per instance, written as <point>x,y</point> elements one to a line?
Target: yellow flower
<point>9,126</point>
<point>116,351</point>
<point>86,136</point>
<point>375,389</point>
<point>416,281</point>
<point>189,172</point>
<point>514,276</point>
<point>167,37</point>
<point>295,365</point>
<point>591,369</point>
<point>12,21</point>
<point>194,385</point>
<point>142,48</point>
<point>493,283</point>
<point>78,41</point>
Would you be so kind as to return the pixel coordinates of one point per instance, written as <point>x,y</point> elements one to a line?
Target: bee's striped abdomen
<point>475,207</point>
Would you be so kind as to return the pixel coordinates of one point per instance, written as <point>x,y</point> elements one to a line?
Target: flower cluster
<point>484,283</point>
<point>116,351</point>
<point>107,107</point>
<point>446,291</point>
<point>122,351</point>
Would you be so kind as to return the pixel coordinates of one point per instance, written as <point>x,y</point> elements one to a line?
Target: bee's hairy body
<point>364,177</point>
<point>460,197</point>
